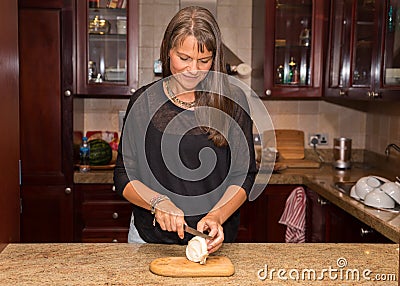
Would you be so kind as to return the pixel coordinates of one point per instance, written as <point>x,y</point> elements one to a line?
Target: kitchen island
<point>255,264</point>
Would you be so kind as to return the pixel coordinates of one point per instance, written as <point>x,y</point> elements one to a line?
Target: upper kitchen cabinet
<point>390,61</point>
<point>289,40</point>
<point>107,48</point>
<point>364,49</point>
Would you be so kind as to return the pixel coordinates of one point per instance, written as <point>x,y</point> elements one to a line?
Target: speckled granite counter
<point>255,264</point>
<point>320,180</point>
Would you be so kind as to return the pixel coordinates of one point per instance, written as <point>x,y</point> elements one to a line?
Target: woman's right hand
<point>170,217</point>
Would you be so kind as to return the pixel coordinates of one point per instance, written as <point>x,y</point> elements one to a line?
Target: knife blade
<point>195,232</point>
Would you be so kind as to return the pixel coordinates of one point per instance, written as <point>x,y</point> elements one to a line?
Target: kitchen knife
<point>195,232</point>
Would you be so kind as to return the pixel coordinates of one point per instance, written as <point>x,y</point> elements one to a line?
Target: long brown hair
<point>200,23</point>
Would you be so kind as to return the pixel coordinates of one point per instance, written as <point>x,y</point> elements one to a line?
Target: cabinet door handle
<point>322,202</point>
<point>115,215</point>
<point>342,93</point>
<point>113,188</point>
<point>364,232</point>
<point>115,240</point>
<point>375,94</point>
<point>132,90</point>
<point>268,92</point>
<point>67,93</point>
<point>68,191</point>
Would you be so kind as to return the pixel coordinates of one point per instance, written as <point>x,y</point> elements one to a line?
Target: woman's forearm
<point>233,198</point>
<point>139,194</point>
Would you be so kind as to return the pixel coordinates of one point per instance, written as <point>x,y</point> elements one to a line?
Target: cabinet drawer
<point>105,235</point>
<point>106,214</point>
<point>97,192</point>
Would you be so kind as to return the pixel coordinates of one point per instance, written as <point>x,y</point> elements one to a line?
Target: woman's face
<point>188,65</point>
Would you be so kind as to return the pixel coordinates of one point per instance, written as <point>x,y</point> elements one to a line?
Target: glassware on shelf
<point>99,26</point>
<point>92,71</point>
<point>121,25</point>
<point>292,72</point>
<point>279,75</point>
<point>304,74</point>
<point>304,37</point>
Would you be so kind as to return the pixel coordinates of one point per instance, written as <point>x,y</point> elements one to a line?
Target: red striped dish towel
<point>294,216</point>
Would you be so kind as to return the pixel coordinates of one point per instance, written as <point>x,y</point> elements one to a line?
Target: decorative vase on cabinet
<point>107,48</point>
<point>289,37</point>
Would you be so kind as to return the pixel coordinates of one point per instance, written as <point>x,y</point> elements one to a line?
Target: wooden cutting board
<point>182,267</point>
<point>292,163</point>
<point>290,143</point>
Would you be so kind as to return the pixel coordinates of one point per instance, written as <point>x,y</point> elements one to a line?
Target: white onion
<point>196,250</point>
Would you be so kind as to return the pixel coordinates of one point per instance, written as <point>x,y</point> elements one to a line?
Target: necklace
<point>176,100</point>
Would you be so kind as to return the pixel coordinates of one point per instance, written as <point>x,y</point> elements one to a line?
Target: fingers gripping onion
<point>196,250</point>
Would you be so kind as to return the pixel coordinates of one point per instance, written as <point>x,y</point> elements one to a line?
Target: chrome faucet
<point>392,145</point>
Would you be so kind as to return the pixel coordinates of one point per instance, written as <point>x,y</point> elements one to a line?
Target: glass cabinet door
<point>107,47</point>
<point>339,55</point>
<point>392,45</point>
<point>365,41</point>
<point>295,38</point>
<point>353,55</point>
<point>293,26</point>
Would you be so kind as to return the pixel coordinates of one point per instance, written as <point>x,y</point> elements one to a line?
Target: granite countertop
<point>128,264</point>
<point>320,180</point>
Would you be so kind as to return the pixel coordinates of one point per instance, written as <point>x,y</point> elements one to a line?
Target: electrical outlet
<point>318,139</point>
<point>323,140</point>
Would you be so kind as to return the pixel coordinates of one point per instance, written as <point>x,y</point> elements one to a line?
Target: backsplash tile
<point>383,127</point>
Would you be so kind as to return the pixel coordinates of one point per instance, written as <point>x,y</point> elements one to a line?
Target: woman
<point>186,154</point>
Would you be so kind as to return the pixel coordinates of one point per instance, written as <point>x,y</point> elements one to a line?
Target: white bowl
<point>393,190</point>
<point>382,179</point>
<point>366,185</point>
<point>379,199</point>
<point>353,193</point>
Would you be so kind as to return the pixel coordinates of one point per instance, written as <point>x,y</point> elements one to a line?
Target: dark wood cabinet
<point>288,46</point>
<point>47,214</point>
<point>259,219</point>
<point>327,222</point>
<point>107,49</point>
<point>363,61</point>
<point>46,86</point>
<point>9,122</point>
<point>101,215</point>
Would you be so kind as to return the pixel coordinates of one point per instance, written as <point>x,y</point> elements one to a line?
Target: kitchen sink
<point>344,187</point>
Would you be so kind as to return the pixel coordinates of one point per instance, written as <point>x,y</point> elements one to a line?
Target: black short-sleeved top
<point>163,147</point>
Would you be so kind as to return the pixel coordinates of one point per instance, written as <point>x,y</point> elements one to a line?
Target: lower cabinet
<point>328,223</point>
<point>101,215</point>
<point>46,214</point>
<point>325,222</point>
<point>259,219</point>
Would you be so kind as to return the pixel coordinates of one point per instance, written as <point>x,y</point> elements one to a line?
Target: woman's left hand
<point>211,224</point>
